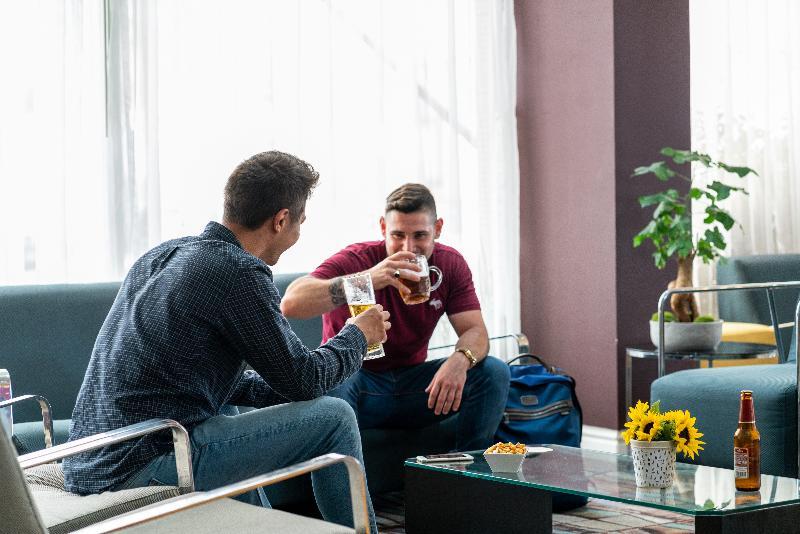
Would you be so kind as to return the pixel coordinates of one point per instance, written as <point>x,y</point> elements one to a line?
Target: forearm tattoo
<point>336,290</point>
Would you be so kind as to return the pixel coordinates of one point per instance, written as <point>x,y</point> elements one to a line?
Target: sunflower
<point>630,432</point>
<point>635,414</point>
<point>687,437</point>
<point>650,424</point>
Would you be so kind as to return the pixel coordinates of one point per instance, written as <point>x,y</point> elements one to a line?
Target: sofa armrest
<point>47,414</point>
<point>180,440</point>
<point>358,495</point>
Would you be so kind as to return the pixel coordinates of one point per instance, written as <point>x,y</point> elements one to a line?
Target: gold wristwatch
<point>468,353</point>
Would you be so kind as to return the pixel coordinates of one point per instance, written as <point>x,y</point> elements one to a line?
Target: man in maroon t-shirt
<point>402,389</point>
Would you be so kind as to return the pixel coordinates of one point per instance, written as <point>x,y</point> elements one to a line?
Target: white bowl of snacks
<point>505,457</point>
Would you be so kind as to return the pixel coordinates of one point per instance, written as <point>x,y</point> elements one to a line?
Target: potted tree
<point>670,230</point>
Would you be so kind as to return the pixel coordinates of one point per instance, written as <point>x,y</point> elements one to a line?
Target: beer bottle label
<point>741,462</point>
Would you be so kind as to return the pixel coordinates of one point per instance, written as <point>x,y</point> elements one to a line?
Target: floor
<point>597,516</point>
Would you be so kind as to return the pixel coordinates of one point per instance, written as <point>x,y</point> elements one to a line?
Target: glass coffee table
<point>470,498</point>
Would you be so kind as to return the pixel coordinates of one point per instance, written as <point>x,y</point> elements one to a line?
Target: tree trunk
<point>684,305</point>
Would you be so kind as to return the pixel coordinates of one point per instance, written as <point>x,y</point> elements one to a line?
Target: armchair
<point>209,511</point>
<point>41,504</point>
<point>712,394</point>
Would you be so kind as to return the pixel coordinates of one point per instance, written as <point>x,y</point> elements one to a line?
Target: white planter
<point>653,463</point>
<point>684,337</point>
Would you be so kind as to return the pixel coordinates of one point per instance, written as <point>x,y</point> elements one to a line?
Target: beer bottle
<point>747,446</point>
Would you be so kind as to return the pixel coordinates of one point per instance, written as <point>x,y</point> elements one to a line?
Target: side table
<point>725,351</point>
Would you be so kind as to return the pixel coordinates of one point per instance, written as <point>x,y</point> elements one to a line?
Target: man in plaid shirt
<point>190,316</point>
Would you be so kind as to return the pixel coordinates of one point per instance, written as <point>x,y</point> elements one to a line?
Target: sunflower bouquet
<point>647,423</point>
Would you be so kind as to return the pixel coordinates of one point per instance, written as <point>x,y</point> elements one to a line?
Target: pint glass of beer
<point>361,297</point>
<point>421,291</point>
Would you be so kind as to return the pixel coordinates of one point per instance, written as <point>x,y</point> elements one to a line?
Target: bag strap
<point>539,359</point>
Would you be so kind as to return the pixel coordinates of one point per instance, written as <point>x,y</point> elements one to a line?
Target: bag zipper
<point>563,407</point>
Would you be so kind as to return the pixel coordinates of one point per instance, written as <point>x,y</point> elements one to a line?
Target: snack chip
<point>506,448</point>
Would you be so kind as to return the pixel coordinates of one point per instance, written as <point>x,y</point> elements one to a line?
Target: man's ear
<point>383,226</point>
<point>281,220</point>
<point>437,228</point>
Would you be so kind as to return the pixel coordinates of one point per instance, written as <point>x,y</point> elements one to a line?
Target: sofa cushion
<point>308,330</point>
<point>62,511</point>
<point>46,337</point>
<point>29,437</point>
<point>47,333</point>
<point>712,395</point>
<point>752,306</point>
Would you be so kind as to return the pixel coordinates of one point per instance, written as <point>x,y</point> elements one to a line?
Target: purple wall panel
<point>586,119</point>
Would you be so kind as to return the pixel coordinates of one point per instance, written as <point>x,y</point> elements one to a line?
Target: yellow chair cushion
<point>746,333</point>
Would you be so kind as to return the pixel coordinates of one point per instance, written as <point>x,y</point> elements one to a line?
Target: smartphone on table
<point>448,457</point>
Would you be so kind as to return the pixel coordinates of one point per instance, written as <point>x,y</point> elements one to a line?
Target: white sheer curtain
<point>373,94</point>
<point>745,68</point>
<point>54,209</point>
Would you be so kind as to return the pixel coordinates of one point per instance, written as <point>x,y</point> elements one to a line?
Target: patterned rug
<point>597,516</point>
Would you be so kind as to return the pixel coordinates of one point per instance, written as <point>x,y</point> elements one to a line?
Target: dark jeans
<point>397,399</point>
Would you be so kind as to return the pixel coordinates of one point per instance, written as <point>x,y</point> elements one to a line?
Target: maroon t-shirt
<point>412,326</point>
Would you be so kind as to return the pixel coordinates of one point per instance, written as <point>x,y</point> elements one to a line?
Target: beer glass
<point>361,297</point>
<point>421,291</point>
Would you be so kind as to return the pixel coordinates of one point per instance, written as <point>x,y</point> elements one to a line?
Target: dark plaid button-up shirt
<point>189,317</point>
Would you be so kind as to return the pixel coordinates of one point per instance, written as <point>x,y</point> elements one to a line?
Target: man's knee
<point>494,371</point>
<point>336,410</point>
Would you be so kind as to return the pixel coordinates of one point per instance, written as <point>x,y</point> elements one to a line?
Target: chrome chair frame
<point>358,495</point>
<point>47,414</point>
<point>180,441</point>
<point>523,345</point>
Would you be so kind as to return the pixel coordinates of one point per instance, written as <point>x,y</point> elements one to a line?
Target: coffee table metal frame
<point>472,499</point>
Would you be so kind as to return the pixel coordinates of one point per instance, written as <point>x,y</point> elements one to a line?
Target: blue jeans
<point>228,449</point>
<point>397,399</point>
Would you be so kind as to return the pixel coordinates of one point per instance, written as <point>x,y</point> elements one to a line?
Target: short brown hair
<point>410,198</point>
<point>266,183</point>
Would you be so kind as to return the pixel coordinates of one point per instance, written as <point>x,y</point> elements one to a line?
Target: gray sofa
<point>46,337</point>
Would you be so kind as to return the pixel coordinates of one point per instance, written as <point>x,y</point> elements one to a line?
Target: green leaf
<point>663,209</point>
<point>703,159</point>
<point>659,259</point>
<point>659,168</point>
<point>695,193</point>
<point>656,407</point>
<point>723,191</point>
<point>715,214</point>
<point>705,250</point>
<point>725,219</point>
<point>740,171</point>
<point>667,151</point>
<point>649,200</point>
<point>715,237</point>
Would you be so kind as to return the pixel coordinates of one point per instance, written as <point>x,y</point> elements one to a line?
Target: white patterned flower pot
<point>653,463</point>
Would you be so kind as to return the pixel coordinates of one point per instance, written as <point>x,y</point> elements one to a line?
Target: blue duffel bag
<point>542,408</point>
